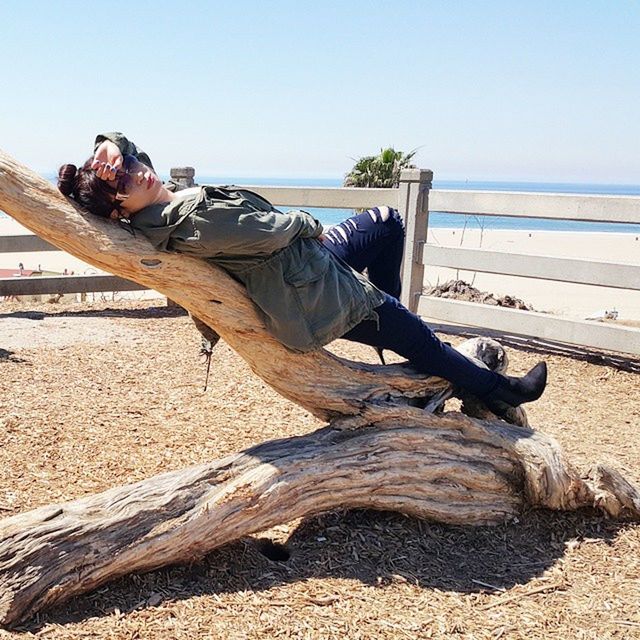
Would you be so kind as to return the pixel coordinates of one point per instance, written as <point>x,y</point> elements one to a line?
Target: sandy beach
<point>58,261</point>
<point>47,260</point>
<point>566,299</point>
<point>571,300</point>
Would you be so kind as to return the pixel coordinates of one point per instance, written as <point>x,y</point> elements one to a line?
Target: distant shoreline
<point>530,186</point>
<point>459,222</point>
<point>440,220</point>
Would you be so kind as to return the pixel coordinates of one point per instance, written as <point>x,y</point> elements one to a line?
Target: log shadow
<point>375,548</point>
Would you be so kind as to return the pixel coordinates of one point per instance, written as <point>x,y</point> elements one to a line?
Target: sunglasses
<point>123,178</point>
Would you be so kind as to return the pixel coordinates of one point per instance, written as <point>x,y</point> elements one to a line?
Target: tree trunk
<point>378,450</point>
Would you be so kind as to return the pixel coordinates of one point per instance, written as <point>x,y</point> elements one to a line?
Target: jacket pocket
<point>314,269</point>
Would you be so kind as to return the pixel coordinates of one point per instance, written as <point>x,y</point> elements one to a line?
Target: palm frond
<point>382,170</point>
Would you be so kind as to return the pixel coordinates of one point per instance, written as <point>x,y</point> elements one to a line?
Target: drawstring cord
<point>125,224</point>
<point>207,355</point>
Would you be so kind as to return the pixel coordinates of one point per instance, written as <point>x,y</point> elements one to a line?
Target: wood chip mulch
<point>94,396</point>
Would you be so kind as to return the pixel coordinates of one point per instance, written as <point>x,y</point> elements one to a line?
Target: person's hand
<point>107,160</point>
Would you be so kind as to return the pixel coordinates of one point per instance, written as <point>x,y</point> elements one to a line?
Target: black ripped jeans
<point>374,240</point>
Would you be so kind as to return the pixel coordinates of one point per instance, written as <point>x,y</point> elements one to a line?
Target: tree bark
<point>325,385</point>
<point>378,450</point>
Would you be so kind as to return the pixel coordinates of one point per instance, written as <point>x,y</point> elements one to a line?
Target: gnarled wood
<point>378,451</point>
<point>450,468</point>
<point>324,385</point>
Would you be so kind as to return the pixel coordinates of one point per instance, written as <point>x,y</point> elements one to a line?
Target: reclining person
<point>308,285</point>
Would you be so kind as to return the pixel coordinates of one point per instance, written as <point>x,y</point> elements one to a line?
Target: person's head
<point>135,187</point>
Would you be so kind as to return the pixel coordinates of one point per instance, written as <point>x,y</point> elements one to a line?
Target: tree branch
<point>378,451</point>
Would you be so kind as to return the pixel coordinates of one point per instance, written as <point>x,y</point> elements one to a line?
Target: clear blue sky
<point>500,90</point>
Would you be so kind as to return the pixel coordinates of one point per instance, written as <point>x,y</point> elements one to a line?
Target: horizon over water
<point>456,221</point>
<point>471,221</point>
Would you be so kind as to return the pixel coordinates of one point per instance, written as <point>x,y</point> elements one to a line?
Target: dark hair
<point>89,191</point>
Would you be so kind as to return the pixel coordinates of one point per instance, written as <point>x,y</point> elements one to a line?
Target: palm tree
<point>382,170</point>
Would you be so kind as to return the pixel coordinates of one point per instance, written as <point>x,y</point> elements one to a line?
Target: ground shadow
<point>107,312</point>
<point>9,356</point>
<point>523,343</point>
<point>375,548</point>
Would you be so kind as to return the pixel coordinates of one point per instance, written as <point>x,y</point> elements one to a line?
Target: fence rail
<point>556,206</point>
<point>529,323</point>
<point>588,208</point>
<point>94,283</point>
<point>415,199</point>
<point>603,274</point>
<point>327,197</point>
<point>24,243</point>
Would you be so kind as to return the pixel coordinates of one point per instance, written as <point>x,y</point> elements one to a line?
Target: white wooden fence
<point>414,199</point>
<point>590,208</point>
<point>21,286</point>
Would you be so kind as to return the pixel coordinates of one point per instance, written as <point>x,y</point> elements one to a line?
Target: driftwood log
<point>387,443</point>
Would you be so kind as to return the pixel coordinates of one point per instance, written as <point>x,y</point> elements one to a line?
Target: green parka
<point>306,295</point>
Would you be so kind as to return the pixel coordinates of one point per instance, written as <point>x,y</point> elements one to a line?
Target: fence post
<point>413,203</point>
<point>183,176</point>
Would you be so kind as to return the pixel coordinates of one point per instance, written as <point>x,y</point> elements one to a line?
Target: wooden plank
<point>65,284</point>
<point>327,197</point>
<point>413,206</point>
<point>528,323</point>
<point>594,208</point>
<point>24,243</point>
<point>604,274</point>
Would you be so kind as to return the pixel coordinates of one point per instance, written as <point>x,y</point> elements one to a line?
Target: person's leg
<point>404,333</point>
<point>372,240</point>
<point>407,335</point>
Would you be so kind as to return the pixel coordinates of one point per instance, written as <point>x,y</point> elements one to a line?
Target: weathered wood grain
<point>324,384</point>
<point>377,452</point>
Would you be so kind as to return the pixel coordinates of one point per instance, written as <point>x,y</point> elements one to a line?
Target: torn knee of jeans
<point>382,214</point>
<point>346,229</point>
<point>388,216</point>
<point>337,235</point>
<point>376,214</point>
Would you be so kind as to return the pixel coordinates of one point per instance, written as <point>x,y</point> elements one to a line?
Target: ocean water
<point>458,221</point>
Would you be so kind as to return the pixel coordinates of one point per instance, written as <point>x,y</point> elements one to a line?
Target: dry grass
<point>122,400</point>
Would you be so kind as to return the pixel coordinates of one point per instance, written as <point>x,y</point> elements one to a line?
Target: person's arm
<point>109,150</point>
<point>124,145</point>
<point>241,231</point>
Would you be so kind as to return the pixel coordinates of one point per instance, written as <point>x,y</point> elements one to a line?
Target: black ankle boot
<point>512,392</point>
